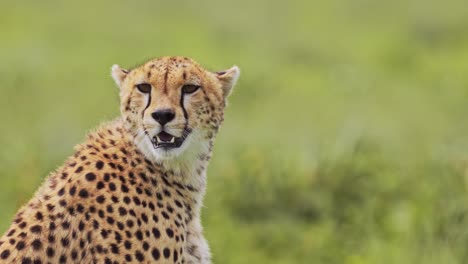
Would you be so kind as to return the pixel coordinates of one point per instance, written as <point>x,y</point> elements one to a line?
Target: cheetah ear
<point>228,79</point>
<point>118,74</point>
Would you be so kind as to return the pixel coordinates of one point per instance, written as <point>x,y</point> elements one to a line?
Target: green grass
<point>345,140</point>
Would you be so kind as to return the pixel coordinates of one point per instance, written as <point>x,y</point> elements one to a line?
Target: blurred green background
<point>345,140</point>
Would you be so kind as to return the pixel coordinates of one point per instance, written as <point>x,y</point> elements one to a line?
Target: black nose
<point>163,116</point>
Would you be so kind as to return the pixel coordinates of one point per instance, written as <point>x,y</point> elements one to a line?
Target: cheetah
<point>132,192</point>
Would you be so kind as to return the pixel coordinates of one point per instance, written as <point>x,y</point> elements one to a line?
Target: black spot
<point>90,176</point>
<point>63,203</point>
<point>83,193</point>
<point>5,254</point>
<point>95,224</point>
<point>114,249</point>
<point>124,188</point>
<point>36,229</point>
<point>165,215</point>
<point>20,245</point>
<point>128,258</point>
<point>112,186</point>
<point>144,217</point>
<point>155,253</point>
<point>145,246</point>
<point>79,169</point>
<point>66,225</point>
<point>26,261</point>
<point>126,200</point>
<point>143,177</point>
<point>127,244</point>
<point>99,185</point>
<point>176,255</point>
<point>99,165</point>
<point>81,226</point>
<point>104,233</point>
<point>65,242</point>
<point>100,199</point>
<point>156,232</point>
<point>122,211</point>
<point>63,259</point>
<point>99,248</point>
<point>122,179</point>
<point>36,244</point>
<point>120,225</point>
<point>170,209</point>
<point>132,212</point>
<point>170,233</point>
<point>74,254</point>
<point>61,192</point>
<point>139,256</point>
<point>136,200</point>
<point>110,220</point>
<point>39,216</point>
<point>139,235</point>
<point>167,253</point>
<point>72,190</point>
<point>50,252</point>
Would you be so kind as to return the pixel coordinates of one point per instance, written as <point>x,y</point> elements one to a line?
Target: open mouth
<point>166,140</point>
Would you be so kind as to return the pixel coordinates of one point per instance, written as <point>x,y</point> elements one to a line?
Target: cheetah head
<point>172,106</point>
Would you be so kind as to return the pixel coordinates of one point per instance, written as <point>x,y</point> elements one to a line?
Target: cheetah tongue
<point>165,137</point>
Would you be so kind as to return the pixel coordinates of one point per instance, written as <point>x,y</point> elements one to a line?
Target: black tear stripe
<point>147,105</point>
<point>183,109</point>
<point>186,128</point>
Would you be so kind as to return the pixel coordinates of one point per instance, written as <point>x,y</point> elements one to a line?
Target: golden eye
<point>190,88</point>
<point>144,87</point>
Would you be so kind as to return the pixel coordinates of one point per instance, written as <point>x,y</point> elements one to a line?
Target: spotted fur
<point>120,200</point>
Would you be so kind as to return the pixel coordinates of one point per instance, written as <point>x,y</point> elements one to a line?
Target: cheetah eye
<point>190,88</point>
<point>144,87</point>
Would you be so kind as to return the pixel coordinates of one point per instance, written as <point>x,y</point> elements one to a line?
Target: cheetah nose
<point>163,116</point>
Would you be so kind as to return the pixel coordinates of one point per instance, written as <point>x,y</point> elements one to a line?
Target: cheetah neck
<point>189,167</point>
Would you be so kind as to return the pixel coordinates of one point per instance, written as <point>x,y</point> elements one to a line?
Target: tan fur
<point>117,199</point>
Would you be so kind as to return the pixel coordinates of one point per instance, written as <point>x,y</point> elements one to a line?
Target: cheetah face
<point>172,106</point>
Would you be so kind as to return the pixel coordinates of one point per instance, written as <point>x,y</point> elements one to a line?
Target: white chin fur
<point>161,154</point>
<point>176,158</point>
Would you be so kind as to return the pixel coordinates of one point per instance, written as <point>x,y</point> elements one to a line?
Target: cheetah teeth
<point>158,140</point>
